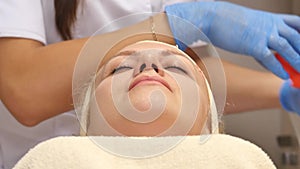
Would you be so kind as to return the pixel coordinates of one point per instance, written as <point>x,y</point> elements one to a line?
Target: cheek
<point>203,111</point>
<point>111,91</point>
<point>204,107</point>
<point>103,92</point>
<point>108,96</point>
<point>104,97</point>
<point>107,105</point>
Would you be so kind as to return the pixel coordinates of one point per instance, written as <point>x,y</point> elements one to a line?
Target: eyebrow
<point>125,53</point>
<point>168,52</point>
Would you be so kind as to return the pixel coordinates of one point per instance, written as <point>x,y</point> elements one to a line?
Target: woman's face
<point>150,89</point>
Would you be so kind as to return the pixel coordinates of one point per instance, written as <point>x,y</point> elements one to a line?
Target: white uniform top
<point>35,19</point>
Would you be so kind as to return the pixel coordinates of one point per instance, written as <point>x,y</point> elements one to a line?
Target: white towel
<point>219,151</point>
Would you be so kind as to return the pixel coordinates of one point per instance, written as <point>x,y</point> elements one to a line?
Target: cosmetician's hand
<point>240,30</point>
<point>290,97</point>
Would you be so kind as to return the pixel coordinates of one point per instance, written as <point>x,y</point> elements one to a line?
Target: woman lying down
<point>149,106</point>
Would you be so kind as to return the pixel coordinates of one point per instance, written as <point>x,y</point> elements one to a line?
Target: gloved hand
<point>290,97</point>
<point>240,30</point>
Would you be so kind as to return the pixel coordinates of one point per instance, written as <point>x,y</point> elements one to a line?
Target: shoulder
<point>27,22</point>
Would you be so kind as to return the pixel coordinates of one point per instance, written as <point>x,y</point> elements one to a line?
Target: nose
<point>148,67</point>
<point>153,66</point>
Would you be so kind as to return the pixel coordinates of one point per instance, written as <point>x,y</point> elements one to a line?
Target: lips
<point>149,80</point>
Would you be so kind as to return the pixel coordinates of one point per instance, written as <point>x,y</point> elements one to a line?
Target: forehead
<point>144,45</point>
<point>151,52</point>
<point>150,48</point>
<point>138,46</point>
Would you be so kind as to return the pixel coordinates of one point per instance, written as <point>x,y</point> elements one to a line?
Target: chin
<point>143,99</point>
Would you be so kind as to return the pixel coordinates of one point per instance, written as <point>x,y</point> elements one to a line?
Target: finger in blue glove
<point>241,30</point>
<point>290,97</point>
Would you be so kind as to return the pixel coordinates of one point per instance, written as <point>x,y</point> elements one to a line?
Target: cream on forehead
<point>149,44</point>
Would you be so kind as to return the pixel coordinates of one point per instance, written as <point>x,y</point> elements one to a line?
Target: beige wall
<point>282,6</point>
<point>260,127</point>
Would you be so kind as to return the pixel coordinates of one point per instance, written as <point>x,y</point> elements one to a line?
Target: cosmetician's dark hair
<point>65,16</point>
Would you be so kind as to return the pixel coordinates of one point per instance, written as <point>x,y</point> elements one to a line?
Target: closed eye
<point>176,69</point>
<point>121,69</point>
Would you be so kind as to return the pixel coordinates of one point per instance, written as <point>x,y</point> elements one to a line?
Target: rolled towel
<point>208,151</point>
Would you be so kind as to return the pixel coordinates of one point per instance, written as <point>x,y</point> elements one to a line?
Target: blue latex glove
<point>290,97</point>
<point>240,30</point>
